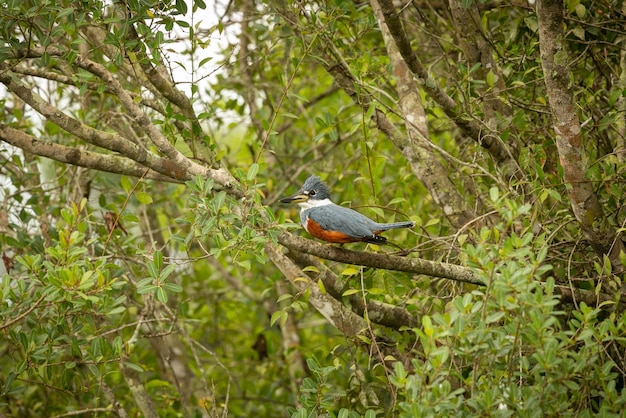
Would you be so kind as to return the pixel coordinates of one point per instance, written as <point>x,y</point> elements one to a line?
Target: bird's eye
<point>312,193</point>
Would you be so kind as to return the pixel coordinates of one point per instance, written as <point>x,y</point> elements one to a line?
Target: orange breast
<point>329,236</point>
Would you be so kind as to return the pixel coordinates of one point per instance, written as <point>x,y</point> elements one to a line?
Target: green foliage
<point>508,349</point>
<point>179,299</point>
<point>320,398</point>
<point>52,319</point>
<point>504,350</point>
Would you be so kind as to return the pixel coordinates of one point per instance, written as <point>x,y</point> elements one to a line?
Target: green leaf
<point>491,78</point>
<point>157,259</point>
<point>45,59</point>
<point>181,6</point>
<point>65,12</point>
<point>252,171</point>
<point>143,198</point>
<point>350,271</point>
<point>118,310</point>
<point>350,292</point>
<point>85,280</point>
<point>427,325</point>
<point>146,289</point>
<point>169,269</point>
<point>321,286</point>
<point>153,271</point>
<point>376,291</point>
<point>134,366</point>
<point>126,184</point>
<point>204,115</point>
<point>144,282</point>
<point>494,194</point>
<point>246,264</point>
<point>284,297</point>
<point>289,115</point>
<point>278,316</point>
<point>172,287</point>
<point>161,294</point>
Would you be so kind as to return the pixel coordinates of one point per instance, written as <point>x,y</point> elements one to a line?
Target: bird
<point>336,224</point>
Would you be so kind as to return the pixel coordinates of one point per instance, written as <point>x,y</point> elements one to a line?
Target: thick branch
<point>569,139</point>
<point>93,136</point>
<point>379,312</point>
<point>421,158</point>
<point>82,158</point>
<point>142,119</point>
<point>425,267</point>
<point>346,321</point>
<point>91,86</point>
<point>157,76</point>
<point>177,166</point>
<point>338,315</point>
<point>504,156</point>
<point>382,261</point>
<point>139,392</point>
<point>221,175</point>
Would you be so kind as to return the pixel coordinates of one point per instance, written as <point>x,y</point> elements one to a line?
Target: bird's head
<point>312,190</point>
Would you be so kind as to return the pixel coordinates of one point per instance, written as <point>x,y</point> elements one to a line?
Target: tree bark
<point>415,146</point>
<point>569,139</point>
<point>383,261</point>
<point>70,155</point>
<point>502,154</point>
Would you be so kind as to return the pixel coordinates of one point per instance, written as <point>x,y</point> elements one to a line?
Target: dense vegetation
<point>149,270</point>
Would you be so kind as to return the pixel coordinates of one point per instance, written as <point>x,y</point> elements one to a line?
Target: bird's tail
<point>396,225</point>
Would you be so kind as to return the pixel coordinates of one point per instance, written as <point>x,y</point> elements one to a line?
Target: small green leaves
<point>157,282</point>
<point>279,316</point>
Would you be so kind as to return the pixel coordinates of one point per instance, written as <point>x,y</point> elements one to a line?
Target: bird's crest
<point>316,185</point>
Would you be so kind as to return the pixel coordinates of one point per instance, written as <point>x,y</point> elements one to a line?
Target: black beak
<point>297,198</point>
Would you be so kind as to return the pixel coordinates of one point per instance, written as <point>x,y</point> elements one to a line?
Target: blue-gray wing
<point>337,218</point>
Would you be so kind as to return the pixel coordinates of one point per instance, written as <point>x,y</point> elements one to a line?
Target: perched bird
<point>333,223</point>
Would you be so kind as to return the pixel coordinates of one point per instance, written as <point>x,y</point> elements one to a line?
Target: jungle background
<point>149,270</point>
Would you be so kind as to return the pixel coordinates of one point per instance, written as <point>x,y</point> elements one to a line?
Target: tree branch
<point>341,318</point>
<point>378,312</point>
<point>382,261</point>
<point>421,158</point>
<point>505,157</point>
<point>138,390</point>
<point>569,138</point>
<point>427,268</point>
<point>350,324</point>
<point>143,121</point>
<point>177,166</point>
<point>83,158</point>
<point>93,136</point>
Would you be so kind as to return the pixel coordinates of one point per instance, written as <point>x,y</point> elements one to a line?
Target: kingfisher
<point>333,223</point>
